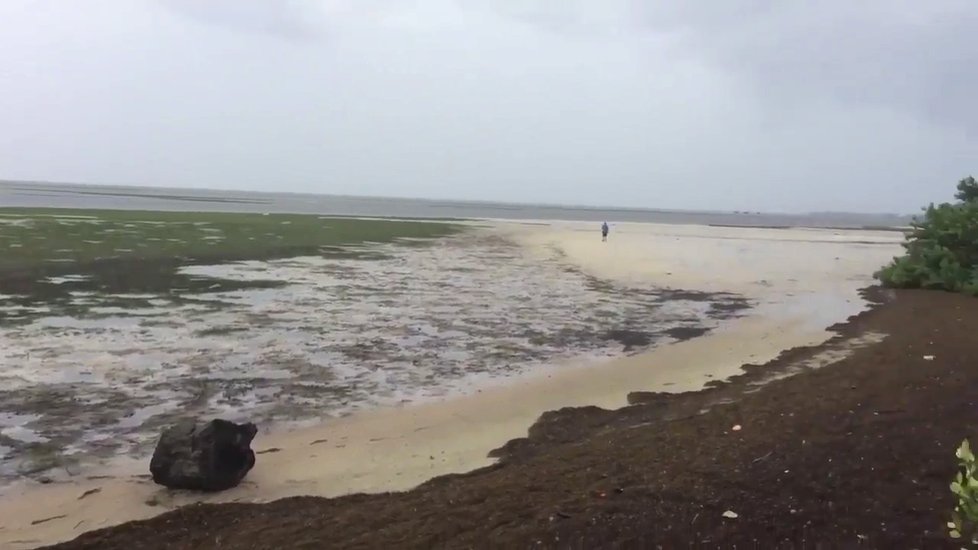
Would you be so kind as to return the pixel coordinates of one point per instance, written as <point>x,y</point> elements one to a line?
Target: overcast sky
<point>868,105</point>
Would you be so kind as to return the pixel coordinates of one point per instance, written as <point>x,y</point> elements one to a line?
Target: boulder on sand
<point>211,456</point>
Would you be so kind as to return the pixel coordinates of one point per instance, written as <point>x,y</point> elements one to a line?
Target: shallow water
<point>344,334</point>
<point>59,195</point>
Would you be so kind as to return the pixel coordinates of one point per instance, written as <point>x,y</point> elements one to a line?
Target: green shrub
<point>942,248</point>
<point>964,519</point>
<point>967,190</point>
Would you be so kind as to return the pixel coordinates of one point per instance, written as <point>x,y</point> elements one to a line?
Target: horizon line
<point>452,200</point>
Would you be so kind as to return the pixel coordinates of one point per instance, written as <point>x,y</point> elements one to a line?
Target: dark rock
<point>205,457</point>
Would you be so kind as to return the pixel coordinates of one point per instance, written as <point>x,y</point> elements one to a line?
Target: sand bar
<point>802,281</point>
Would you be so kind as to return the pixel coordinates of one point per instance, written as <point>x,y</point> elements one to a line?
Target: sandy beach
<point>800,281</point>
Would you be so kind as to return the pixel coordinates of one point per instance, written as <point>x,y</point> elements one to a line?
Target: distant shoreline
<point>902,229</point>
<point>73,195</point>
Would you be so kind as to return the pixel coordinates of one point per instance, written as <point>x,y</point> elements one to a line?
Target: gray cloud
<point>284,18</point>
<point>738,104</point>
<point>905,54</point>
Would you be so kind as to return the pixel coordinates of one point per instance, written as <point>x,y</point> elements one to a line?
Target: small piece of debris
<point>736,428</point>
<point>90,492</point>
<point>266,451</point>
<point>760,458</point>
<point>730,514</point>
<point>318,441</point>
<point>52,518</point>
<point>928,358</point>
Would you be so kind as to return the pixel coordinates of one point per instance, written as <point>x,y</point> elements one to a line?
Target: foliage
<point>964,519</point>
<point>33,238</point>
<point>967,190</point>
<point>942,248</point>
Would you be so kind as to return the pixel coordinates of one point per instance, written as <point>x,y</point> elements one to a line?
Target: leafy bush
<point>942,249</point>
<point>967,190</point>
<point>964,519</point>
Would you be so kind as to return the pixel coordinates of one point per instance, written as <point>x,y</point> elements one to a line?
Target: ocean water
<point>26,194</point>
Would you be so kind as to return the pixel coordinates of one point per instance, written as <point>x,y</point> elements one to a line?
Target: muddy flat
<point>856,453</point>
<point>279,319</point>
<point>114,321</point>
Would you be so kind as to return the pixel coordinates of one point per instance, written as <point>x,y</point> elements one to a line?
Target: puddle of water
<point>22,434</point>
<point>14,426</point>
<point>65,322</point>
<point>72,221</point>
<point>140,416</point>
<point>26,310</point>
<point>832,354</point>
<point>68,279</point>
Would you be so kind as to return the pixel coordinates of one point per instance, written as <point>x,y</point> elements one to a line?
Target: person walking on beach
<point>604,232</point>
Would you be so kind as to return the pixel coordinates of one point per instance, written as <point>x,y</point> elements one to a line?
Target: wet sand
<point>802,281</point>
